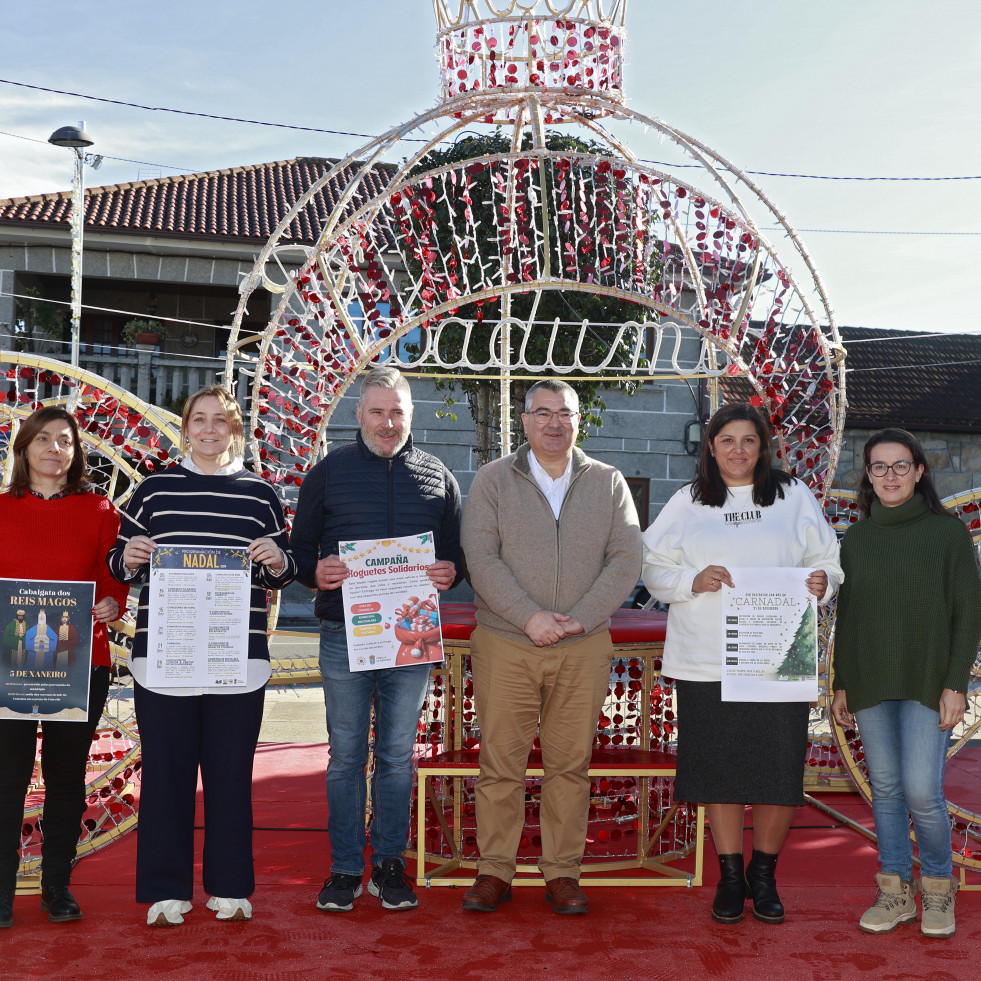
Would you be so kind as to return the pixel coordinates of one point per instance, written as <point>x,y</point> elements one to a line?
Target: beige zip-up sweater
<point>520,559</point>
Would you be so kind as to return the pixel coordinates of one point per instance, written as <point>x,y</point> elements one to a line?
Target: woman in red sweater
<point>55,528</point>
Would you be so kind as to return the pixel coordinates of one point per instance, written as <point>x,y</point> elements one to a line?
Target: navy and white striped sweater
<point>178,507</point>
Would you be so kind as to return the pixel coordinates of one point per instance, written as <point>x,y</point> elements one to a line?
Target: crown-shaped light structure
<point>561,50</point>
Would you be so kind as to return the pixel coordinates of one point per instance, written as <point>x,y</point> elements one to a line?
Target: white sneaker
<point>231,909</point>
<point>168,912</point>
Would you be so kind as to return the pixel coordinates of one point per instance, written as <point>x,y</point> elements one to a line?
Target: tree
<point>596,185</point>
<point>36,321</point>
<point>800,661</point>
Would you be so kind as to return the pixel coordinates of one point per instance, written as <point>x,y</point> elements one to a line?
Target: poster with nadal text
<point>391,612</point>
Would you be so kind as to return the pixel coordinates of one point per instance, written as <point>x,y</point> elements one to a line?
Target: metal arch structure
<point>124,439</point>
<point>588,223</point>
<point>382,268</point>
<point>441,240</point>
<point>838,755</point>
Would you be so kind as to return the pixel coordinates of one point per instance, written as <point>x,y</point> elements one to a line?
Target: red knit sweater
<point>66,540</point>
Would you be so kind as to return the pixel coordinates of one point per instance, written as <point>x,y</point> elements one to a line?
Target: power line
<point>181,112</point>
<point>106,156</point>
<point>771,228</point>
<point>826,177</point>
<point>196,323</point>
<point>908,337</point>
<point>125,313</point>
<point>368,136</point>
<point>911,367</point>
<point>864,231</point>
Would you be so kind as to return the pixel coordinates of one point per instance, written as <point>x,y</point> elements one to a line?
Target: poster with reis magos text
<point>46,662</point>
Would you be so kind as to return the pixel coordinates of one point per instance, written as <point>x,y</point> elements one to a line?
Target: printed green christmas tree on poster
<point>800,660</point>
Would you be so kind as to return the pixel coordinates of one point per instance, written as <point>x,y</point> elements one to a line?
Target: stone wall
<point>642,435</point>
<point>954,458</point>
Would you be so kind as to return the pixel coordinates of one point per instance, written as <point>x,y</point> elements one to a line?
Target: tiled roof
<point>242,204</point>
<point>920,381</point>
<point>911,379</point>
<point>905,378</point>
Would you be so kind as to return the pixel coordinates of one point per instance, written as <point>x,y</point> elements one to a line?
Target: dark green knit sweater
<point>909,611</point>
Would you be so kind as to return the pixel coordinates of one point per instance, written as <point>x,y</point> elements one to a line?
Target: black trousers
<point>64,756</point>
<point>178,734</point>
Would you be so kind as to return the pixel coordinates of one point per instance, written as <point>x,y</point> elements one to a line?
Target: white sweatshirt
<point>686,537</point>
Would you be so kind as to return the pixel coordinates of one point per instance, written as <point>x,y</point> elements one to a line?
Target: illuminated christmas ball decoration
<point>472,255</point>
<point>461,257</point>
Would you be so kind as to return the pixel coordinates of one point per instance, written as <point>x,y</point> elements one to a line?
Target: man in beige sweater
<point>553,547</point>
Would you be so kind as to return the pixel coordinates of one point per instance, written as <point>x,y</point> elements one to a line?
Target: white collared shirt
<point>553,488</point>
<point>227,470</point>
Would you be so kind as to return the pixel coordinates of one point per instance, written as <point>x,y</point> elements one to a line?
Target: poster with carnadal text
<point>391,612</point>
<point>46,662</point>
<point>770,628</point>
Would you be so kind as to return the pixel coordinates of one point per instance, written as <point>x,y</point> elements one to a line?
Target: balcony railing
<point>160,379</point>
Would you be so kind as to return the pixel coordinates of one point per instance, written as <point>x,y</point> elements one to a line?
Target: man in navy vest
<point>380,486</point>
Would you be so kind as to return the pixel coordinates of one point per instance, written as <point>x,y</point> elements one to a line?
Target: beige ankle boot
<point>938,905</point>
<point>894,905</point>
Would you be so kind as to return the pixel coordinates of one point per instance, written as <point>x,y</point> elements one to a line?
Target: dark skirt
<point>739,752</point>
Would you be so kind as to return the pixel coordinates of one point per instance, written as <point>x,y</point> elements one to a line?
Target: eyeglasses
<point>900,468</point>
<point>544,416</point>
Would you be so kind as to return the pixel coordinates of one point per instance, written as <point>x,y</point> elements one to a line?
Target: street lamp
<point>76,138</point>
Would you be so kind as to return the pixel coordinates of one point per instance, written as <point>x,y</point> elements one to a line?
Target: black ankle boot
<point>6,908</point>
<point>59,903</point>
<point>730,894</point>
<point>762,884</point>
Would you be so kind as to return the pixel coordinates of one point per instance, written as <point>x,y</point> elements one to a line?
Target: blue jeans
<point>906,752</point>
<point>397,694</point>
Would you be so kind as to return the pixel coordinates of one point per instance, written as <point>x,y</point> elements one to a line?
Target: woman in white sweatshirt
<point>739,511</point>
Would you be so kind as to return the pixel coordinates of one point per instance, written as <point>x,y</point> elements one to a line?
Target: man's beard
<point>373,447</point>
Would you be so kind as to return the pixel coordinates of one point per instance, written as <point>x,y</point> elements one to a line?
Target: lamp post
<point>76,138</point>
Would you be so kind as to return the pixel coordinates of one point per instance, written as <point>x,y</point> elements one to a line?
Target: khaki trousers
<point>559,691</point>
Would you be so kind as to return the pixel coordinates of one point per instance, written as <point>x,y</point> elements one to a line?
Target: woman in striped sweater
<point>210,499</point>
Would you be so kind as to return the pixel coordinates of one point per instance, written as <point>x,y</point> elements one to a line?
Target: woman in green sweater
<point>908,624</point>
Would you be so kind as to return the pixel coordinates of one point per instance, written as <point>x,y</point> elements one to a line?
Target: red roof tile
<point>244,204</point>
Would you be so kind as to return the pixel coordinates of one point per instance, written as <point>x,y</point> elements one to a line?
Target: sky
<point>833,89</point>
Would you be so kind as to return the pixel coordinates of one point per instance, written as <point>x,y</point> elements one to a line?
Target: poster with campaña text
<point>391,610</point>
<point>198,627</point>
<point>770,627</point>
<point>47,649</point>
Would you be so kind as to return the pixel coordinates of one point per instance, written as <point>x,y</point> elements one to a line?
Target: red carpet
<point>826,875</point>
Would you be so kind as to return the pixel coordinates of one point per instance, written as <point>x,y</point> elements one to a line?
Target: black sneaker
<point>390,885</point>
<point>339,893</point>
<point>59,903</point>
<point>6,907</point>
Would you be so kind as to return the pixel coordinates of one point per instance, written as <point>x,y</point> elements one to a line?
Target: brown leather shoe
<point>485,894</point>
<point>565,896</point>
